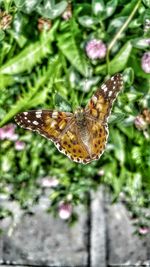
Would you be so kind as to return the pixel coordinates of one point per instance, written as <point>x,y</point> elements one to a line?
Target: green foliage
<point>51,70</point>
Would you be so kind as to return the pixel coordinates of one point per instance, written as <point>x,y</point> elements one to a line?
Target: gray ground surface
<point>102,237</point>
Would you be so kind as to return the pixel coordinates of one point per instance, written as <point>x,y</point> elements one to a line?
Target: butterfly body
<point>81,135</point>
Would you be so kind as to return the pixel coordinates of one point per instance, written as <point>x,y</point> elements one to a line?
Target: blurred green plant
<point>50,69</point>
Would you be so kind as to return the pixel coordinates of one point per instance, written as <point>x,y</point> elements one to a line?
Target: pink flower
<point>49,182</point>
<point>8,132</point>
<point>65,210</point>
<point>143,230</point>
<point>140,123</point>
<point>95,49</point>
<point>145,63</point>
<point>67,13</point>
<point>19,145</point>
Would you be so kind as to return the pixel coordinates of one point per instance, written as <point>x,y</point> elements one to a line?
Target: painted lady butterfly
<point>81,135</point>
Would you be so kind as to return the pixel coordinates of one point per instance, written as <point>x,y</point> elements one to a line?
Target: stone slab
<point>44,240</point>
<point>123,246</point>
<point>98,230</point>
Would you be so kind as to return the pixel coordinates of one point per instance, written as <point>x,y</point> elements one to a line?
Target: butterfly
<point>81,135</point>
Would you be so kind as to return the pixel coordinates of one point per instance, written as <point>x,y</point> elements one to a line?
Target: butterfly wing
<point>72,145</point>
<point>97,112</point>
<point>49,124</point>
<point>98,138</point>
<point>100,105</point>
<point>57,126</point>
<point>61,127</point>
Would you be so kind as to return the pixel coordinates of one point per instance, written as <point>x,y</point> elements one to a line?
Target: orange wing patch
<point>71,145</point>
<point>98,107</point>
<point>98,136</point>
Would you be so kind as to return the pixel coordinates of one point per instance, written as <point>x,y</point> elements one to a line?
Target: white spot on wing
<point>54,115</point>
<point>35,122</point>
<point>53,123</point>
<point>104,87</point>
<point>38,116</point>
<point>110,93</point>
<point>94,99</point>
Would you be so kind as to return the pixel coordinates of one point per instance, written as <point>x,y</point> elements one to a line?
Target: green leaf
<point>98,7</point>
<point>136,154</point>
<point>27,6</point>
<point>86,84</point>
<point>146,15</point>
<point>62,103</point>
<point>50,10</point>
<point>19,3</point>
<point>141,43</point>
<point>117,117</point>
<point>30,56</point>
<point>135,63</point>
<point>147,3</point>
<point>2,35</point>
<point>127,8</point>
<point>6,80</point>
<point>87,21</point>
<point>118,142</point>
<point>135,23</point>
<point>111,7</point>
<point>20,22</point>
<point>35,95</point>
<point>119,62</point>
<point>68,45</point>
<point>115,24</point>
<point>30,99</point>
<point>128,131</point>
<point>128,76</point>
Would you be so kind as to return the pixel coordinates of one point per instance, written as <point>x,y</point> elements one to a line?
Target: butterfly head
<point>80,115</point>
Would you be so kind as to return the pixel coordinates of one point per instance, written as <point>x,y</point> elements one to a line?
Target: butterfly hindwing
<point>100,105</point>
<point>71,145</point>
<point>98,138</point>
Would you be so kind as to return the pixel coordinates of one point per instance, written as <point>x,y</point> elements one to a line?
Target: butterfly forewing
<point>100,105</point>
<point>48,123</point>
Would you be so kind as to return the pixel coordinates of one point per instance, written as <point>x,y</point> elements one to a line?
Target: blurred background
<point>54,55</point>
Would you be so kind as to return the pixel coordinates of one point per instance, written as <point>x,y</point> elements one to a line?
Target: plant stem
<point>118,34</point>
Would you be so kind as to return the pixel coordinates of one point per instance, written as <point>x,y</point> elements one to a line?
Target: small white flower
<point>140,123</point>
<point>19,145</point>
<point>65,210</point>
<point>49,182</point>
<point>143,230</point>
